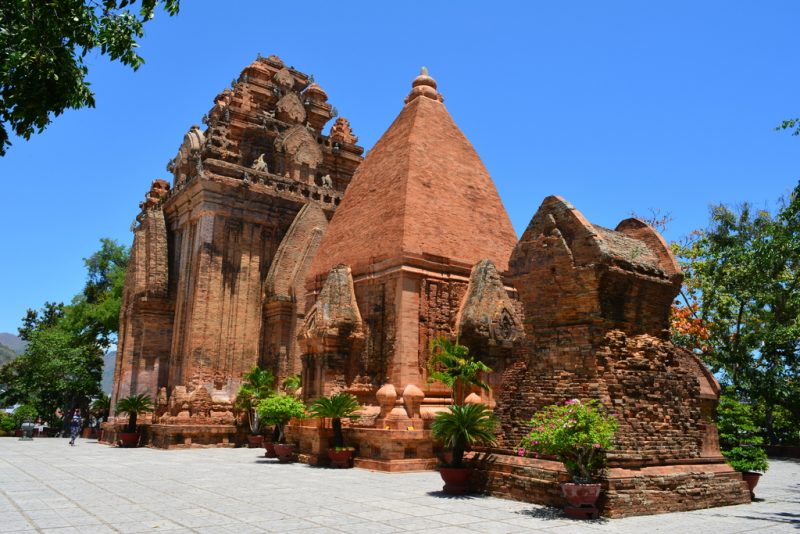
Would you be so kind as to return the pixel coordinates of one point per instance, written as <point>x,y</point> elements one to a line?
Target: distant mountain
<point>109,362</point>
<point>6,354</point>
<point>13,342</point>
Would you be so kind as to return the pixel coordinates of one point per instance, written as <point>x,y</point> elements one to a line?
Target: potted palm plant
<point>133,406</point>
<point>460,427</point>
<point>278,409</point>
<point>739,440</point>
<point>337,407</point>
<point>451,364</point>
<point>256,386</point>
<point>576,433</point>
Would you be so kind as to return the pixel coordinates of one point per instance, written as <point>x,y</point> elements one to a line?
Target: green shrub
<point>738,435</point>
<point>7,423</point>
<point>576,433</point>
<point>23,413</point>
<point>278,409</point>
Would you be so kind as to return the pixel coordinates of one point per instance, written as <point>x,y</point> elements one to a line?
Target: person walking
<point>75,426</point>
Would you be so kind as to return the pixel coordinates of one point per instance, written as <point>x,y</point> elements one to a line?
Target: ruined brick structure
<point>390,274</point>
<point>243,262</point>
<point>596,318</point>
<point>219,260</point>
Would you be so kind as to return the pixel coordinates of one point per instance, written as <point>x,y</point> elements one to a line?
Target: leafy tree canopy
<point>741,309</point>
<point>63,361</point>
<point>42,49</point>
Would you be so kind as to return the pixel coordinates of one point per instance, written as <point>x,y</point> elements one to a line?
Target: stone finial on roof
<point>424,85</point>
<point>341,131</point>
<point>315,92</point>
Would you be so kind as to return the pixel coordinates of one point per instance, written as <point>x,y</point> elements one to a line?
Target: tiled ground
<point>47,486</point>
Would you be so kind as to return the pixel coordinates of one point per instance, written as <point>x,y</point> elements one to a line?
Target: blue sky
<point>616,106</point>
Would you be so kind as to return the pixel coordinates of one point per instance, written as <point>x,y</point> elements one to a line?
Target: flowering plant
<point>576,433</point>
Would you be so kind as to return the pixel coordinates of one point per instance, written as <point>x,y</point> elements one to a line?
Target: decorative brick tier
<point>626,492</point>
<point>180,436</point>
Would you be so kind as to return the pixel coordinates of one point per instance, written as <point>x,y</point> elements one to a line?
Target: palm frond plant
<point>451,364</point>
<point>291,383</point>
<point>133,406</point>
<point>464,426</point>
<point>257,385</point>
<point>336,407</point>
<point>101,406</point>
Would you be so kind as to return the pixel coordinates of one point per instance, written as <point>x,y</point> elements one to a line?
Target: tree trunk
<point>338,437</point>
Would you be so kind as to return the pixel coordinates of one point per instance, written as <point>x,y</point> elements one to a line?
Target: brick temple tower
<point>219,259</point>
<point>394,266</point>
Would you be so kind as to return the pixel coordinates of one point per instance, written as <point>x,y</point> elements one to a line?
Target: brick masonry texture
<point>276,246</point>
<point>203,303</point>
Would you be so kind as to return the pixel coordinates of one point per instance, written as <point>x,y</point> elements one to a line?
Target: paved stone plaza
<point>48,486</point>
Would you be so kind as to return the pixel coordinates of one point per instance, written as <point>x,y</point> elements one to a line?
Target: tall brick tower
<point>394,264</point>
<point>220,258</point>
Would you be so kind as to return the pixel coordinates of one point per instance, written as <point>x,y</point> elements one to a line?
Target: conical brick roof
<point>422,189</point>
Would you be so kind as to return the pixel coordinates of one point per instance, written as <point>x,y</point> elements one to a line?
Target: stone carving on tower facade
<point>290,109</point>
<point>300,147</point>
<point>259,164</point>
<point>487,314</point>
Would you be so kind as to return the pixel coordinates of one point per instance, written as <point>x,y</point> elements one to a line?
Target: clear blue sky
<point>616,106</point>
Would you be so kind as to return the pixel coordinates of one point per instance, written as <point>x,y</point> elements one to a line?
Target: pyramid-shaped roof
<point>422,189</point>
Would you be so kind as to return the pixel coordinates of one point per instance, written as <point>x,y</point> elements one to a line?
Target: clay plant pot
<point>255,442</point>
<point>341,459</point>
<point>86,432</point>
<point>752,478</point>
<point>578,495</point>
<point>456,479</point>
<point>270,450</point>
<point>128,439</point>
<point>284,452</point>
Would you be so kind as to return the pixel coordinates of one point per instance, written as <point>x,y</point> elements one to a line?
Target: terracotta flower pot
<point>752,478</point>
<point>86,432</point>
<point>128,439</point>
<point>284,452</point>
<point>456,479</point>
<point>342,459</point>
<point>581,494</point>
<point>270,450</point>
<point>255,442</point>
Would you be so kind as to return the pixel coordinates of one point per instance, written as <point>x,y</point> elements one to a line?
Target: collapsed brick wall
<point>648,384</point>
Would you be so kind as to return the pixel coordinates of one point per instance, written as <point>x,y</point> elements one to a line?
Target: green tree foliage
<point>256,386</point>
<point>451,364</point>
<point>6,354</point>
<point>48,317</point>
<point>52,374</point>
<point>62,363</point>
<point>42,49</point>
<point>278,409</point>
<point>792,125</point>
<point>133,406</point>
<point>738,435</point>
<point>743,271</point>
<point>463,426</point>
<point>337,407</point>
<point>93,314</point>
<point>576,433</point>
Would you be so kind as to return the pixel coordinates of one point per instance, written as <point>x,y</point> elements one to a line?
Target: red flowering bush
<point>577,433</point>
